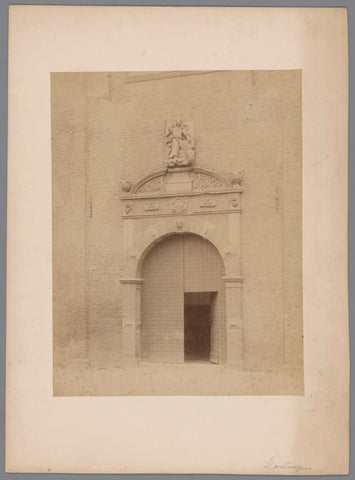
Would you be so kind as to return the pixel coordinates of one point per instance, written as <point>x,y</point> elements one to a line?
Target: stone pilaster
<point>131,319</point>
<point>234,320</point>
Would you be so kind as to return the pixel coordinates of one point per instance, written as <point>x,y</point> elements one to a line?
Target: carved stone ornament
<point>152,232</point>
<point>207,203</point>
<point>179,206</point>
<point>181,175</point>
<point>235,200</point>
<point>180,224</point>
<point>128,207</point>
<point>181,148</point>
<point>151,206</point>
<point>154,186</point>
<point>237,178</point>
<point>195,178</point>
<point>229,251</point>
<point>126,186</point>
<point>207,182</point>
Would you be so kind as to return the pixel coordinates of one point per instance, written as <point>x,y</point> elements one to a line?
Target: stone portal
<point>165,214</point>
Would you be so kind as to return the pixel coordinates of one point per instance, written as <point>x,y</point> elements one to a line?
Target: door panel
<point>162,334</point>
<point>200,264</point>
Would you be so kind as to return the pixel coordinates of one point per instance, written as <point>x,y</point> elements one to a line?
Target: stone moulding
<point>146,179</point>
<point>185,191</point>
<point>202,180</point>
<point>185,194</point>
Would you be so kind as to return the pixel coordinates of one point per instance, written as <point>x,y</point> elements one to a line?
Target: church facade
<point>177,219</point>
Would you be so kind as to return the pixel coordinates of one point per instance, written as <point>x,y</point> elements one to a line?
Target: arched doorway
<point>183,302</point>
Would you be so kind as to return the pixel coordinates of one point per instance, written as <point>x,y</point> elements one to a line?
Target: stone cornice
<point>131,196</point>
<point>187,214</point>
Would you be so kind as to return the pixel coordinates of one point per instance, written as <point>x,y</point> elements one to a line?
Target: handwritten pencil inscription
<point>274,464</point>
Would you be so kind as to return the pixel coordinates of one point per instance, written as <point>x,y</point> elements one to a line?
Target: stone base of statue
<point>179,180</point>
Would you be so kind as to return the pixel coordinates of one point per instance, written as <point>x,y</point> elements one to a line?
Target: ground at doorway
<point>176,379</point>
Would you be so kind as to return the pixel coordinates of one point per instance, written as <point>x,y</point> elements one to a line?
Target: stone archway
<point>184,201</point>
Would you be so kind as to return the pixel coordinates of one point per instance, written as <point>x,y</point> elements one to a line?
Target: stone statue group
<point>181,145</point>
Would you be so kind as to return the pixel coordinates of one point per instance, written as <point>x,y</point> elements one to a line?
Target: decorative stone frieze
<point>192,191</point>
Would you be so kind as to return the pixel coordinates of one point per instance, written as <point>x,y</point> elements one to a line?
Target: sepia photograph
<point>177,240</point>
<point>177,233</point>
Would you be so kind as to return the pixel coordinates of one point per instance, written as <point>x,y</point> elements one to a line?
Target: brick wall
<point>106,130</point>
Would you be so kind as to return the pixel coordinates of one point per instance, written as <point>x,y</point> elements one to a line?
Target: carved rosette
<point>179,206</point>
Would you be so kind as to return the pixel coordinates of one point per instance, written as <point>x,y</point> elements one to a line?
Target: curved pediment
<point>153,182</point>
<point>190,179</point>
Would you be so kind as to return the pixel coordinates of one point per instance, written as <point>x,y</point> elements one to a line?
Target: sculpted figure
<point>181,146</point>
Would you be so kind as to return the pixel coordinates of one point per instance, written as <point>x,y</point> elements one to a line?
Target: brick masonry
<point>107,129</point>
